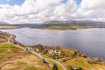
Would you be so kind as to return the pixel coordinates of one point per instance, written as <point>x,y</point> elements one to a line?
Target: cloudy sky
<point>32,11</point>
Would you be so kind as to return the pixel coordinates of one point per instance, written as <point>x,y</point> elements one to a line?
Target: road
<point>41,57</point>
<point>10,38</point>
<point>47,60</point>
<point>63,67</point>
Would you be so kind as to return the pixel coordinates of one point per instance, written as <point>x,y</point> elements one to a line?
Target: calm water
<point>88,41</point>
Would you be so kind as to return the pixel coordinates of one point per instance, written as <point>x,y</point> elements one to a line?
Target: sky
<point>19,2</point>
<point>11,2</point>
<point>78,2</point>
<point>35,11</point>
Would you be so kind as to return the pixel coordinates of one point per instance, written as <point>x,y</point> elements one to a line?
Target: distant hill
<point>75,22</point>
<point>81,23</point>
<point>62,23</point>
<point>3,23</point>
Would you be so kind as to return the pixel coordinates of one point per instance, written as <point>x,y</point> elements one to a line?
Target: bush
<point>55,67</point>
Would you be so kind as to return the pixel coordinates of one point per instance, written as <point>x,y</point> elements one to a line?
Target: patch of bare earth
<point>7,27</point>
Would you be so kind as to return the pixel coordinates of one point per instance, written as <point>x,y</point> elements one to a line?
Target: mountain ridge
<point>81,23</point>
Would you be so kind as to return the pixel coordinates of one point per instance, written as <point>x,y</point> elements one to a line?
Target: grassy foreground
<point>13,58</point>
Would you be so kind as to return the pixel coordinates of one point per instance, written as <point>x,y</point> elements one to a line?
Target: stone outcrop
<point>5,37</point>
